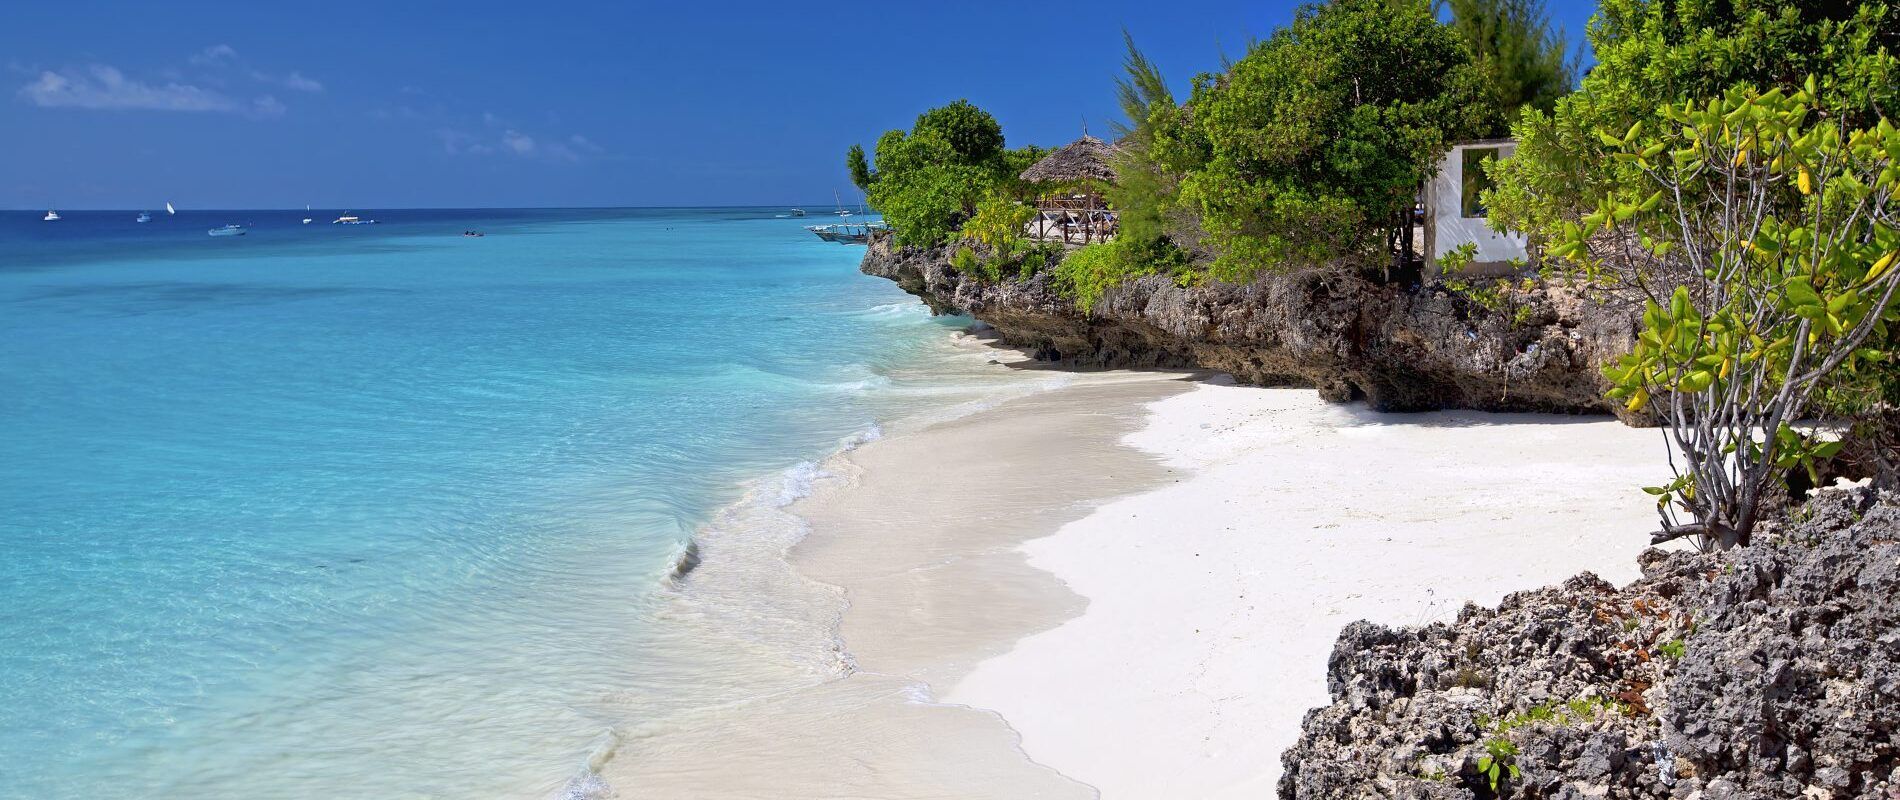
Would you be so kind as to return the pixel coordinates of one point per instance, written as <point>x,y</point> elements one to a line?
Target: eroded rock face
<point>1349,337</point>
<point>1769,671</point>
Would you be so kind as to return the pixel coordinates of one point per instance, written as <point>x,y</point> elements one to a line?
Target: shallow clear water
<point>382,511</point>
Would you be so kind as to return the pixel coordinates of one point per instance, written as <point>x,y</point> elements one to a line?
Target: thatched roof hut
<point>1085,160</point>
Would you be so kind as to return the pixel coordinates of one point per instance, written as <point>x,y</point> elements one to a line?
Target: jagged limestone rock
<point>1348,337</point>
<point>1767,671</point>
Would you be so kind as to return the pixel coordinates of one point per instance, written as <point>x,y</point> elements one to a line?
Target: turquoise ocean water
<point>386,511</point>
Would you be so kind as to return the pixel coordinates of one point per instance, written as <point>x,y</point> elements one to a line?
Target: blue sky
<point>486,104</point>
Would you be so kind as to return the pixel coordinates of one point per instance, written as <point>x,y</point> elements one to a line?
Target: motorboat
<point>798,212</point>
<point>351,219</point>
<point>228,230</point>
<point>51,216</point>
<point>145,216</point>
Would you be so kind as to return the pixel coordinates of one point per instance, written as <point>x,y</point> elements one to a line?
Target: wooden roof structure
<point>1085,160</point>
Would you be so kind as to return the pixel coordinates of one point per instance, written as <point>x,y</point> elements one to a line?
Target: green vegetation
<point>859,168</point>
<point>928,181</point>
<point>1760,227</point>
<point>1520,60</point>
<point>1659,51</point>
<point>1305,152</point>
<point>1087,274</point>
<point>1499,762</point>
<point>1318,139</point>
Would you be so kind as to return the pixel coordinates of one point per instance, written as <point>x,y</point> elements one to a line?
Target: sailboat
<point>306,210</point>
<point>51,216</point>
<point>169,209</point>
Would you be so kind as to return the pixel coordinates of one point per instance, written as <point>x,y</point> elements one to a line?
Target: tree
<point>861,175</point>
<point>1764,236</point>
<point>1651,52</point>
<point>1523,62</point>
<point>929,180</point>
<point>1319,138</point>
<point>1144,192</point>
<point>973,135</point>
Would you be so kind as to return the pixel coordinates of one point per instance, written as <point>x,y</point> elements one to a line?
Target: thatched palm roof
<point>1083,160</point>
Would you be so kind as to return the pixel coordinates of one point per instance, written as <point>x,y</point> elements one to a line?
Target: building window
<point>1475,182</point>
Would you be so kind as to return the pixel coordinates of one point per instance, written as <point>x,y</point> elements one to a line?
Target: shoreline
<point>1017,593</point>
<point>859,711</point>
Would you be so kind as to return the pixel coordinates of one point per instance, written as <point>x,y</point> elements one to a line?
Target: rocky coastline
<point>1350,337</point>
<point>1766,671</point>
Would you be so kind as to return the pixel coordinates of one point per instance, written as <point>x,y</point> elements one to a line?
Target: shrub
<point>929,180</point>
<point>1085,275</point>
<point>1765,242</point>
<point>1320,137</point>
<point>998,224</point>
<point>1650,52</point>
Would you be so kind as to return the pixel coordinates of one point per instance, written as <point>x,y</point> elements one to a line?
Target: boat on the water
<point>351,219</point>
<point>847,232</point>
<point>798,212</point>
<point>145,216</point>
<point>51,216</point>
<point>228,230</point>
<point>169,209</point>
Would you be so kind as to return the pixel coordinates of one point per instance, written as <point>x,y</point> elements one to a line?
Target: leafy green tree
<point>1650,52</point>
<point>1319,138</point>
<point>861,175</point>
<point>1764,234</point>
<point>973,135</point>
<point>1523,61</point>
<point>929,180</point>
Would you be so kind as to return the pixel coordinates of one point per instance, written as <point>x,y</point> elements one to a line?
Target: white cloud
<point>104,87</point>
<point>215,54</point>
<point>522,144</point>
<point>296,80</point>
<point>461,143</point>
<point>267,106</point>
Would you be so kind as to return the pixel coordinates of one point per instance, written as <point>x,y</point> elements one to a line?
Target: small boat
<point>847,232</point>
<point>306,210</point>
<point>798,212</point>
<point>145,216</point>
<point>306,220</point>
<point>475,234</point>
<point>169,209</point>
<point>351,219</point>
<point>229,230</point>
<point>51,216</point>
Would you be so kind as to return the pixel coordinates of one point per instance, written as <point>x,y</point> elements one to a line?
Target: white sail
<point>169,209</point>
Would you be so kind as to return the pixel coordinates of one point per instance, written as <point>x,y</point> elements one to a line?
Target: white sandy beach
<point>1214,601</point>
<point>1128,587</point>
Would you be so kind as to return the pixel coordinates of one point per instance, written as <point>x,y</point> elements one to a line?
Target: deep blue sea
<point>387,511</point>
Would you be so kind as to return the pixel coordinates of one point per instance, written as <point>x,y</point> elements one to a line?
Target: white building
<point>1455,215</point>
